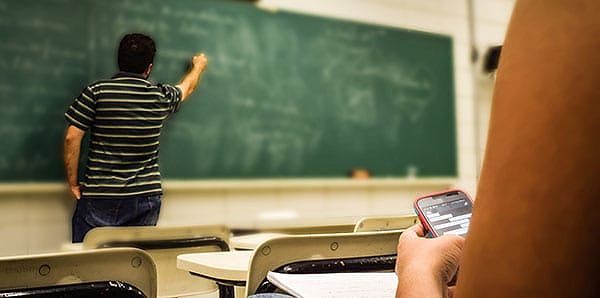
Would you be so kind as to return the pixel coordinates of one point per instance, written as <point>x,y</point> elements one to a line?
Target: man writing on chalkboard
<point>125,114</point>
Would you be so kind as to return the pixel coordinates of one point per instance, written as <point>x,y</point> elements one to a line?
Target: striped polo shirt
<point>125,115</point>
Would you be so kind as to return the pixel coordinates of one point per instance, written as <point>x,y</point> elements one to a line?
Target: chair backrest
<point>278,252</point>
<point>323,229</point>
<point>385,223</point>
<point>78,274</point>
<point>164,244</point>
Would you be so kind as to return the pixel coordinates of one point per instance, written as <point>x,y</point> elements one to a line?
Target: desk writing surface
<point>252,241</point>
<point>306,223</point>
<point>285,94</point>
<point>228,265</point>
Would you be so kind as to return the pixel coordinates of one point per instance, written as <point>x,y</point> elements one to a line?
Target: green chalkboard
<point>285,94</point>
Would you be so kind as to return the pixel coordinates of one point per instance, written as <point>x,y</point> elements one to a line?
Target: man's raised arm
<point>189,82</point>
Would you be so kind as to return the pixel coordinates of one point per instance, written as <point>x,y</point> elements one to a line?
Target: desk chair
<point>385,223</point>
<point>164,244</point>
<point>321,253</point>
<point>117,272</point>
<point>318,229</point>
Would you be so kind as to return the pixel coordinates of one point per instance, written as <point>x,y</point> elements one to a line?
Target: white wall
<point>491,20</point>
<point>36,218</point>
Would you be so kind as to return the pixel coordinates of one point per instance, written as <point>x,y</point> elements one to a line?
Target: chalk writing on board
<point>198,16</point>
<point>44,48</point>
<point>284,94</point>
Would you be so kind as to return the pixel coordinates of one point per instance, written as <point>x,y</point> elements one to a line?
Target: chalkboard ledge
<point>254,184</point>
<point>307,183</point>
<point>32,188</point>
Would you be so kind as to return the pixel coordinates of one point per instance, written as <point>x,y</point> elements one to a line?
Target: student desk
<point>300,225</point>
<point>251,241</point>
<point>228,269</point>
<point>68,246</point>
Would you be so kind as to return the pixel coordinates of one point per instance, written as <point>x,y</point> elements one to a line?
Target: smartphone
<point>445,213</point>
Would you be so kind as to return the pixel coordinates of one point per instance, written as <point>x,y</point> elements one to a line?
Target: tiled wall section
<point>39,221</point>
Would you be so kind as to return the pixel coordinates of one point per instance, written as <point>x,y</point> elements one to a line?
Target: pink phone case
<point>419,212</point>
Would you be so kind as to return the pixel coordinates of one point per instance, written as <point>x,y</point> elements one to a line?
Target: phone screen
<point>447,213</point>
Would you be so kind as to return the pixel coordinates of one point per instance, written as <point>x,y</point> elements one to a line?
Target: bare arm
<point>425,266</point>
<point>190,81</point>
<point>72,148</point>
<point>534,226</point>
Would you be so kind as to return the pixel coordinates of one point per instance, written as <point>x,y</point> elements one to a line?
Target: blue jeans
<point>92,213</point>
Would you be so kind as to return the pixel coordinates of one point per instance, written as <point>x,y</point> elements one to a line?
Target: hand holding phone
<point>433,259</point>
<point>445,213</point>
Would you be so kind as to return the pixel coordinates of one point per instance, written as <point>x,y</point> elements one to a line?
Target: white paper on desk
<point>333,285</point>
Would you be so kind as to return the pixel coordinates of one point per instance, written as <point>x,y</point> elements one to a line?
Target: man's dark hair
<point>136,52</point>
